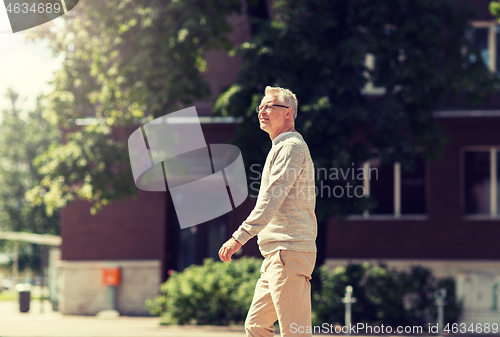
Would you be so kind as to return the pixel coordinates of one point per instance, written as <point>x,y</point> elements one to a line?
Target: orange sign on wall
<point>111,276</point>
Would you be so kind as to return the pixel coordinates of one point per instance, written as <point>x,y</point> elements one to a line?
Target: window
<point>199,242</point>
<point>216,236</point>
<point>382,185</point>
<point>413,189</point>
<point>370,88</point>
<point>187,254</point>
<point>481,175</point>
<point>485,36</point>
<point>399,193</point>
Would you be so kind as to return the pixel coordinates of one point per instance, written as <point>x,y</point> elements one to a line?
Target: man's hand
<point>228,249</point>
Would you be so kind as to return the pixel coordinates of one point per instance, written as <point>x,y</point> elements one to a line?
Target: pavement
<point>47,323</point>
<point>53,324</point>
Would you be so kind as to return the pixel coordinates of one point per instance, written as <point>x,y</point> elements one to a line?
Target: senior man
<point>284,220</point>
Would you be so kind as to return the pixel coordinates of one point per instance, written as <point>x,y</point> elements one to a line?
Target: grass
<point>7,296</point>
<point>11,296</point>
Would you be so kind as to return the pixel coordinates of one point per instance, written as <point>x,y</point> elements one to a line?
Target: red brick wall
<point>446,234</point>
<point>121,231</point>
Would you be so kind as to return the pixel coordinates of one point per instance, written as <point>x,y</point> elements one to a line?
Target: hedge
<point>384,296</point>
<point>217,293</point>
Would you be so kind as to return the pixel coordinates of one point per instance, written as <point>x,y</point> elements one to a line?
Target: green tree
<point>495,9</point>
<point>22,138</point>
<point>317,48</point>
<point>125,62</point>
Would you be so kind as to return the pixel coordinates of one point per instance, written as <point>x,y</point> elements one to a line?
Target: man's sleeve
<point>285,170</point>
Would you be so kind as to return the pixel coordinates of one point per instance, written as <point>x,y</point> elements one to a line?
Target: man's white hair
<point>285,96</point>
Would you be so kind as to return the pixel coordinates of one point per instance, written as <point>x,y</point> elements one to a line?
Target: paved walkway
<point>53,324</point>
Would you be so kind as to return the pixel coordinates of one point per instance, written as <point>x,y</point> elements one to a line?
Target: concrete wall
<point>82,291</point>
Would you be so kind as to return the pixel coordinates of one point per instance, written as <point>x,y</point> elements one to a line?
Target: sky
<point>27,67</point>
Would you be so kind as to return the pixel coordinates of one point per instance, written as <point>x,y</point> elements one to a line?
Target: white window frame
<point>492,41</point>
<point>397,198</point>
<point>494,212</point>
<point>370,88</point>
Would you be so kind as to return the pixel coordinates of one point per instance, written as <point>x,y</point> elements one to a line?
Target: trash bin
<point>24,291</point>
<point>24,301</point>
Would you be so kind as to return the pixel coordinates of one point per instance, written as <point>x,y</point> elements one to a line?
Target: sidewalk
<point>53,324</point>
<point>36,323</point>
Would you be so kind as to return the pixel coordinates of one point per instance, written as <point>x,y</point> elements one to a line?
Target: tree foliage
<point>495,9</point>
<point>124,62</point>
<point>129,61</point>
<point>318,48</point>
<point>23,137</point>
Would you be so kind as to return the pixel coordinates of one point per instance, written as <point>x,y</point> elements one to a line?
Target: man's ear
<point>289,113</point>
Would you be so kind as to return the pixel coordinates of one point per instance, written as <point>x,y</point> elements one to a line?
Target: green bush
<point>219,293</point>
<point>215,293</point>
<point>384,296</point>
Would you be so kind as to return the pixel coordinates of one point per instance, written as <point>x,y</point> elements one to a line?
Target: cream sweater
<point>283,217</point>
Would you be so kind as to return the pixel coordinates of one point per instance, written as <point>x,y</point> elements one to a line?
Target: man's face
<point>272,119</point>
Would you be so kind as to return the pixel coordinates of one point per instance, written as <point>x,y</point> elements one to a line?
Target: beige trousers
<point>283,292</point>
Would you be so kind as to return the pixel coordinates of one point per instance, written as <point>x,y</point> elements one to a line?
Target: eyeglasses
<point>268,107</point>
